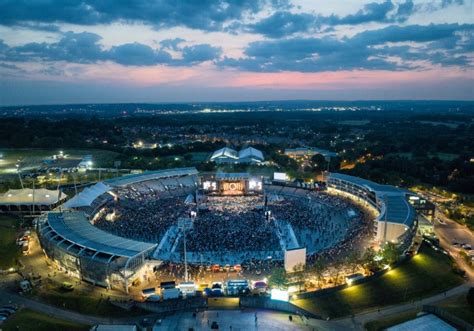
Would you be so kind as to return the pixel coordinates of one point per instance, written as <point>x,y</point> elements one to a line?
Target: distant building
<point>228,155</point>
<point>300,152</point>
<point>144,145</point>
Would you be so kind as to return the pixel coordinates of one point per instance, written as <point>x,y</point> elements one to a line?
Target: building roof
<point>251,152</point>
<point>225,152</point>
<point>377,188</point>
<point>427,322</point>
<point>40,197</point>
<point>87,196</point>
<point>76,228</point>
<point>399,210</point>
<point>149,175</point>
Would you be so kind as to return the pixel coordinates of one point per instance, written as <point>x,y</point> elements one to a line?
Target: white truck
<point>170,293</point>
<point>188,289</point>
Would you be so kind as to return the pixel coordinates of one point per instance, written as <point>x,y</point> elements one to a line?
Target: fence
<point>174,305</point>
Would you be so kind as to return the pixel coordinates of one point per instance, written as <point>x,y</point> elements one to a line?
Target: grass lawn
<point>458,307</point>
<point>101,158</point>
<point>75,300</point>
<point>355,122</point>
<point>9,250</point>
<point>428,273</point>
<point>199,156</point>
<point>441,156</point>
<point>25,320</point>
<point>384,323</point>
<point>445,156</point>
<point>89,303</point>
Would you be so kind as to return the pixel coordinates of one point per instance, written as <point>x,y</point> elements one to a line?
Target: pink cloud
<point>341,79</point>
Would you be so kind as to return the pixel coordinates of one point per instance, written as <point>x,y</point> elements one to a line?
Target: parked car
<point>6,312</point>
<point>13,307</point>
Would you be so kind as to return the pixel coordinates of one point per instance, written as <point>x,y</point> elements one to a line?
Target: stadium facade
<point>86,252</point>
<point>396,221</point>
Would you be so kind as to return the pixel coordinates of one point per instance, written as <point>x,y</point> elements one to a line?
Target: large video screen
<point>209,186</point>
<point>280,176</point>
<point>255,184</point>
<point>233,187</point>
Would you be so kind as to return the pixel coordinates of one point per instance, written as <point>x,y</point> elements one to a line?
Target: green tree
<point>319,162</point>
<point>318,268</point>
<point>337,265</point>
<point>278,278</point>
<point>390,253</point>
<point>353,261</point>
<point>299,275</point>
<point>368,260</point>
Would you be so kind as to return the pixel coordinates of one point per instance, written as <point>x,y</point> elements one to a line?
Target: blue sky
<point>54,51</point>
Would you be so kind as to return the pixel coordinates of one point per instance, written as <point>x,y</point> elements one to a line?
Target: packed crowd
<point>232,224</point>
<point>325,224</point>
<point>237,226</point>
<point>141,216</point>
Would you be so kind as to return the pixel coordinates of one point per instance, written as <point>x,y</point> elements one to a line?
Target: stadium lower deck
<point>233,229</point>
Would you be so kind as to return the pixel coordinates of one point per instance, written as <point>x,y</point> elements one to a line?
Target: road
<point>450,232</point>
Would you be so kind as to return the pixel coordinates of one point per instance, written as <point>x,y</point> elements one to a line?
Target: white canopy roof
<point>225,152</point>
<point>250,152</point>
<point>40,197</point>
<point>86,197</point>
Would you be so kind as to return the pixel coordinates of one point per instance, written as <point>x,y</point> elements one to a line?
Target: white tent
<point>225,153</point>
<point>86,197</point>
<point>251,153</point>
<point>26,197</point>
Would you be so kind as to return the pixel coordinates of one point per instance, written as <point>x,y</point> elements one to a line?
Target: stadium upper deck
<point>396,221</point>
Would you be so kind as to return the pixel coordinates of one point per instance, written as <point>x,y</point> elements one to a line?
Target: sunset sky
<point>56,51</point>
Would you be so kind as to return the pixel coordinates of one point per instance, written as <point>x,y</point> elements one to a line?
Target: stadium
<point>119,231</point>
